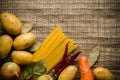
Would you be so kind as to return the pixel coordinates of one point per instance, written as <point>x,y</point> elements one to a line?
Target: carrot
<point>85,71</point>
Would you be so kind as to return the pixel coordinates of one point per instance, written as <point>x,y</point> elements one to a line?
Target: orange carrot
<point>85,71</point>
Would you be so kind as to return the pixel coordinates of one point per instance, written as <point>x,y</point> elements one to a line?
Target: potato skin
<point>5,45</point>
<point>102,73</point>
<point>24,41</point>
<point>11,23</point>
<point>22,57</point>
<point>68,73</point>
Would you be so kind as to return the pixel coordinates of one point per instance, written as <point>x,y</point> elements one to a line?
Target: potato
<point>102,73</point>
<point>24,41</point>
<point>44,77</point>
<point>68,73</point>
<point>5,45</point>
<point>22,57</point>
<point>11,23</point>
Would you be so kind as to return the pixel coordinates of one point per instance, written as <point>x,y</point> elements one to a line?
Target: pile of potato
<point>15,47</point>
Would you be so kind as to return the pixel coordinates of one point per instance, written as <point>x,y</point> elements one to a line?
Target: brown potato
<point>68,73</point>
<point>22,57</point>
<point>24,41</point>
<point>102,73</point>
<point>11,23</point>
<point>5,45</point>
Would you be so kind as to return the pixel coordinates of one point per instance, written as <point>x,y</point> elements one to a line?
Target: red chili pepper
<point>68,61</point>
<point>63,59</point>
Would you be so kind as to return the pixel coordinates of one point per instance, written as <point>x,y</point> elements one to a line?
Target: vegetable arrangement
<point>50,60</point>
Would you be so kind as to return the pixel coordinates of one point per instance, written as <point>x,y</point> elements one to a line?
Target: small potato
<point>102,73</point>
<point>22,57</point>
<point>68,73</point>
<point>24,41</point>
<point>5,45</point>
<point>44,77</point>
<point>11,23</point>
